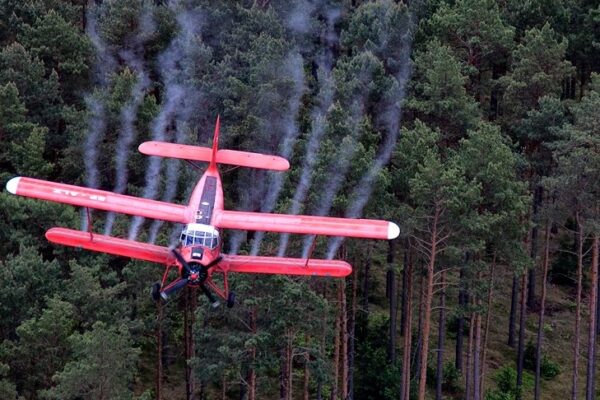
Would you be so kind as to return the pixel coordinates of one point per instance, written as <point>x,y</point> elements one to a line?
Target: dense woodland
<point>474,124</point>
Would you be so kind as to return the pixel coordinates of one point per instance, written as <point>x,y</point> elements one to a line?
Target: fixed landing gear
<point>157,295</point>
<point>231,299</point>
<point>155,291</point>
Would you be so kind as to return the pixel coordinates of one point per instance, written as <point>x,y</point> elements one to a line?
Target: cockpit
<point>200,235</point>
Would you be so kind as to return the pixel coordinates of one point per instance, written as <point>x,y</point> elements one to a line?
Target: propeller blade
<point>173,287</point>
<point>181,260</point>
<point>211,298</point>
<point>213,262</point>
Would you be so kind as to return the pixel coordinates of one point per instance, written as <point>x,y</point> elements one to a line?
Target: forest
<point>472,124</point>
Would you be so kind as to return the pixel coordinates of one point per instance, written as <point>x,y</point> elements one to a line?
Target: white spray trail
<point>159,127</point>
<point>312,149</point>
<point>341,162</point>
<point>106,62</point>
<point>318,117</point>
<point>172,177</point>
<point>173,105</point>
<point>337,173</point>
<point>390,118</point>
<point>125,140</point>
<point>104,66</point>
<point>96,127</point>
<point>294,69</point>
<point>128,115</point>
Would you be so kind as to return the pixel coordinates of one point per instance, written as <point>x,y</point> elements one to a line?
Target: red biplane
<point>198,255</point>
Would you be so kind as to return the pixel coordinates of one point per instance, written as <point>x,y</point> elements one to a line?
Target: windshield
<point>200,235</point>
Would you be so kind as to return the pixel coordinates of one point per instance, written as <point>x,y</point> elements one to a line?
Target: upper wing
<point>305,224</point>
<point>94,198</point>
<point>232,157</point>
<point>110,245</point>
<point>286,266</point>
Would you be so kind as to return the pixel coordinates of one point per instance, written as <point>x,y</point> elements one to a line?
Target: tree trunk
<point>392,298</point>
<point>598,309</point>
<point>224,388</point>
<point>305,384</point>
<point>404,286</point>
<point>575,379</point>
<point>540,332</point>
<point>290,367</point>
<point>439,376</point>
<point>336,352</point>
<point>513,312</point>
<point>284,373</point>
<point>427,304</point>
<point>521,347</point>
<point>477,358</point>
<point>365,286</point>
<point>537,200</point>
<point>190,307</point>
<point>591,366</point>
<point>469,369</point>
<point>416,361</point>
<point>407,331</point>
<point>462,304</point>
<point>351,338</point>
<point>159,353</point>
<point>251,370</point>
<point>344,340</point>
<point>488,317</point>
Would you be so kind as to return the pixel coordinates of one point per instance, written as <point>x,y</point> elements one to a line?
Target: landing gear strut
<point>231,299</point>
<point>155,291</point>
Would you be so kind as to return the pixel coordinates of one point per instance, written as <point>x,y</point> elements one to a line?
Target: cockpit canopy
<point>200,234</point>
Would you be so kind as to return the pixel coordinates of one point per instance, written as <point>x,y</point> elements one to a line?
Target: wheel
<point>230,299</point>
<point>155,291</point>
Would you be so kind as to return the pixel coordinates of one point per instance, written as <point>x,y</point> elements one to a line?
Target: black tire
<point>155,291</point>
<point>231,300</point>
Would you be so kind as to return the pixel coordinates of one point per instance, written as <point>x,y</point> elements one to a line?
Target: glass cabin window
<point>200,235</point>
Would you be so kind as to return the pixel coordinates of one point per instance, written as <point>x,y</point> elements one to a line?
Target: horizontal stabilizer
<point>306,224</point>
<point>231,157</point>
<point>98,199</point>
<point>285,266</point>
<point>110,245</point>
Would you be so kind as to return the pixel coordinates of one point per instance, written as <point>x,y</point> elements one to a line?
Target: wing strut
<point>310,251</point>
<point>89,221</point>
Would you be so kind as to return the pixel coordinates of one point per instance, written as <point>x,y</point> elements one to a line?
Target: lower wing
<point>110,245</point>
<point>98,199</point>
<point>230,263</point>
<point>285,266</point>
<point>307,224</point>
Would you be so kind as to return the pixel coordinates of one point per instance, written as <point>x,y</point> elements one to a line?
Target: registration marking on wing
<point>73,193</point>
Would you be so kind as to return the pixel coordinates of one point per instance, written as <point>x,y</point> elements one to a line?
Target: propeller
<point>196,275</point>
<point>173,287</point>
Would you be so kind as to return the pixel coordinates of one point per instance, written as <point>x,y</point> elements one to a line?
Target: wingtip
<point>393,231</point>
<point>13,184</point>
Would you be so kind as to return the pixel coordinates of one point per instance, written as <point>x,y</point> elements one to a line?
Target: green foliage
<point>440,92</point>
<point>482,69</point>
<point>575,181</point>
<point>59,44</point>
<point>538,70</point>
<point>375,377</point>
<point>40,93</point>
<point>24,288</point>
<point>7,388</point>
<point>450,377</point>
<point>548,368</point>
<point>42,347</point>
<point>506,379</point>
<point>100,355</point>
<point>28,157</point>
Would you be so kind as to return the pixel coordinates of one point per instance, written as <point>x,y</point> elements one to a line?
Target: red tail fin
<point>215,145</point>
